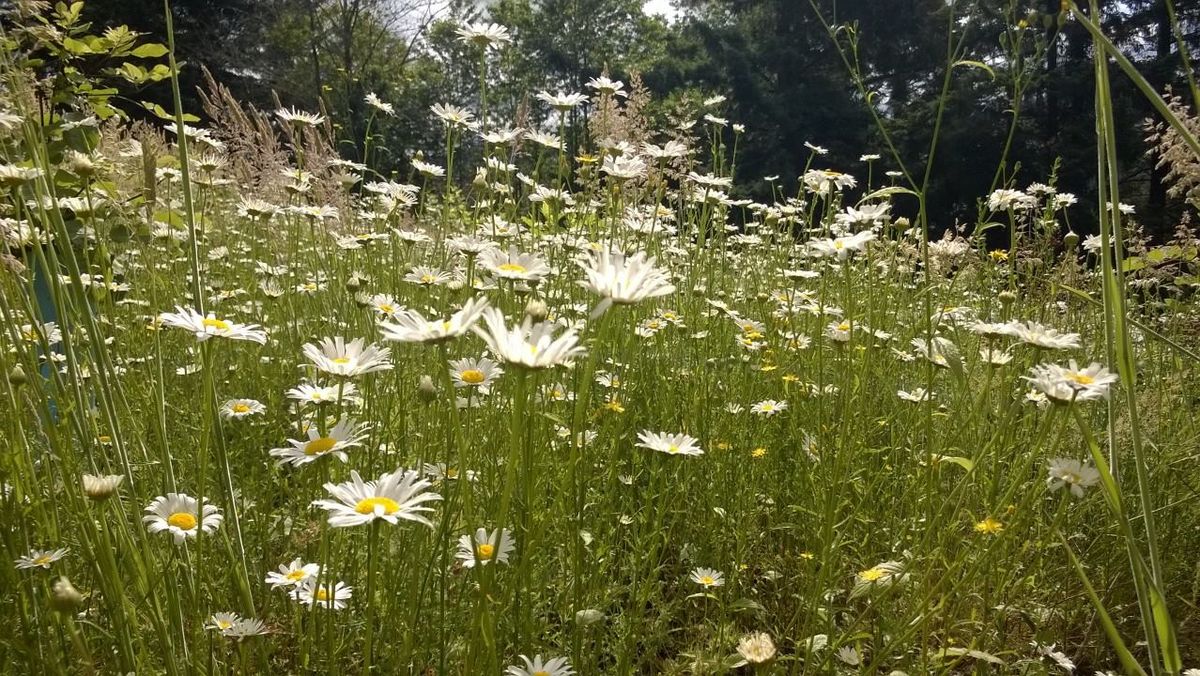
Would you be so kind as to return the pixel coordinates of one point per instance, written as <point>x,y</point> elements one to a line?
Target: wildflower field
<point>532,407</point>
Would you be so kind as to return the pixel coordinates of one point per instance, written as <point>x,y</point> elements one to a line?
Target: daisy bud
<point>1070,240</point>
<point>355,282</point>
<point>427,391</point>
<point>536,310</point>
<point>1006,298</point>
<point>588,616</point>
<point>64,597</point>
<point>17,376</point>
<point>902,224</point>
<point>100,488</point>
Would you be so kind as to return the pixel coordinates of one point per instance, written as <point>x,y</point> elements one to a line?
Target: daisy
<point>604,85</point>
<point>101,487</point>
<point>316,394</point>
<point>440,472</point>
<point>345,434</point>
<point>332,595</point>
<point>756,648</point>
<point>478,373</point>
<point>671,444</point>
<point>40,558</point>
<point>879,577</point>
<point>425,275</point>
<point>707,577</point>
<point>484,548</point>
<point>623,280</point>
<point>298,117</point>
<point>177,513</point>
<point>395,496</point>
<point>1065,384</point>
<point>1038,335</point>
<point>556,666</point>
<point>337,357</point>
<point>562,102</point>
<point>245,628</point>
<point>411,327</point>
<point>769,407</point>
<point>293,574</point>
<point>236,409</point>
<point>377,103</point>
<point>453,116</point>
<point>222,621</point>
<point>514,265</point>
<point>207,327</point>
<point>384,305</point>
<point>483,34</point>
<point>528,345</point>
<point>1073,474</point>
<point>841,247</point>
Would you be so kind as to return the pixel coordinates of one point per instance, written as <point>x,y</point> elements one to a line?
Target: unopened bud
<point>64,597</point>
<point>1007,298</point>
<point>355,282</point>
<point>427,391</point>
<point>17,376</point>
<point>1070,240</point>
<point>536,309</point>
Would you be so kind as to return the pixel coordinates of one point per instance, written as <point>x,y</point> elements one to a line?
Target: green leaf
<point>77,47</point>
<point>1129,664</point>
<point>151,50</point>
<point>965,463</point>
<point>975,64</point>
<point>888,192</point>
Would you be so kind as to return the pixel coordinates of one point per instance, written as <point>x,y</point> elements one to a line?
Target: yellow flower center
<point>543,672</point>
<point>428,279</point>
<point>1081,378</point>
<point>224,624</point>
<point>872,574</point>
<point>296,575</point>
<point>322,594</point>
<point>386,309</point>
<point>472,376</point>
<point>989,526</point>
<point>368,505</point>
<point>839,244</point>
<point>43,560</point>
<point>213,323</point>
<point>319,446</point>
<point>844,326</point>
<point>707,580</point>
<point>513,267</point>
<point>485,551</point>
<point>672,448</point>
<point>182,520</point>
<point>240,408</point>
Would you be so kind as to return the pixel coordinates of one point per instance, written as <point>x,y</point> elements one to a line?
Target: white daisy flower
<point>181,516</point>
<point>205,327</point>
<point>331,595</point>
<point>337,357</point>
<point>483,547</point>
<point>345,434</point>
<point>293,574</point>
<point>40,558</point>
<point>392,497</point>
<point>671,444</point>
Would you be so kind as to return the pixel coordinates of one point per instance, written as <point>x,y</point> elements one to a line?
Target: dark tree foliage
<point>228,37</point>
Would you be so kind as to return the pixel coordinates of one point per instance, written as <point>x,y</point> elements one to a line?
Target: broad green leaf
<point>151,50</point>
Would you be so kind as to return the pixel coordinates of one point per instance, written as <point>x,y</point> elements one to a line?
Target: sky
<point>663,7</point>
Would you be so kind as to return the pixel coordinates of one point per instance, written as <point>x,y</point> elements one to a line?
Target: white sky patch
<point>662,7</point>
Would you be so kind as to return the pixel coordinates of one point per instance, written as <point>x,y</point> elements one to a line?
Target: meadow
<point>266,410</point>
